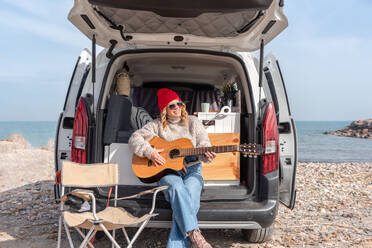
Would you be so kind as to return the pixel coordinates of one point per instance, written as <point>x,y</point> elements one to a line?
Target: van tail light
<point>80,134</point>
<point>270,141</point>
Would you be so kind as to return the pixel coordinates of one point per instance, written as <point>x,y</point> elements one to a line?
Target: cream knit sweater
<point>194,131</point>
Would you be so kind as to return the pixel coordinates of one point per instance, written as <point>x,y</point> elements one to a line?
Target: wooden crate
<point>226,166</point>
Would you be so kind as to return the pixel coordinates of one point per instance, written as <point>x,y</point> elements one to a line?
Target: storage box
<point>226,123</point>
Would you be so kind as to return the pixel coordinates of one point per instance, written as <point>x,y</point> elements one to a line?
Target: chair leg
<point>113,236</point>
<point>138,233</point>
<point>87,237</point>
<point>90,238</point>
<point>59,231</point>
<point>68,234</point>
<point>109,235</point>
<point>83,236</point>
<point>126,235</point>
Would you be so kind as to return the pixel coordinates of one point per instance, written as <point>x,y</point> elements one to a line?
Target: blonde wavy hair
<point>163,117</point>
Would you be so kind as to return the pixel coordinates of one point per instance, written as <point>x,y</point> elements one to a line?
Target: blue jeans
<point>184,196</point>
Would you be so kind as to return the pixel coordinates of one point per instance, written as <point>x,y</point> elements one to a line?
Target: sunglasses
<point>173,105</point>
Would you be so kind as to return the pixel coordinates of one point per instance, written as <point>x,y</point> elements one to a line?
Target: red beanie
<point>165,96</point>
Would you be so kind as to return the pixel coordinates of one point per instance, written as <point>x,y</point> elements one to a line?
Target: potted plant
<point>229,91</point>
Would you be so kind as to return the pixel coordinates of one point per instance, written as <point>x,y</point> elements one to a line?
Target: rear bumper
<point>248,212</point>
<point>230,215</point>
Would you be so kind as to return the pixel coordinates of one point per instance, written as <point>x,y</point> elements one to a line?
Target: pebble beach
<point>333,207</point>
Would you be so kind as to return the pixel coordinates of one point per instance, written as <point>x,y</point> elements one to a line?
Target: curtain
<point>148,99</point>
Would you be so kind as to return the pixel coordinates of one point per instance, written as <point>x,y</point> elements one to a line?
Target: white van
<point>194,48</point>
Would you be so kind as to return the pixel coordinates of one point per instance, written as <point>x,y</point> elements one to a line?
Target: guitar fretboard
<point>202,150</point>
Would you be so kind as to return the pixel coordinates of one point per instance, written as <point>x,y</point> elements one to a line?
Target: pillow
<point>139,117</point>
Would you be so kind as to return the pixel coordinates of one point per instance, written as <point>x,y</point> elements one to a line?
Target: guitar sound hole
<point>174,153</point>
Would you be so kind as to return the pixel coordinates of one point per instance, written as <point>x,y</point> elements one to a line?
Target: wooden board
<point>226,166</point>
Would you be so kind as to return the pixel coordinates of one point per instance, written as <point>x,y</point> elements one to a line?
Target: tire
<point>258,235</point>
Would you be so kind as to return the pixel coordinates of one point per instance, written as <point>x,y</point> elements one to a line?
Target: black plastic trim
<point>269,186</point>
<point>114,26</point>
<point>88,21</point>
<point>89,100</point>
<point>270,82</point>
<point>72,78</point>
<point>250,24</point>
<point>263,213</point>
<point>57,193</point>
<point>98,133</point>
<point>285,90</point>
<point>68,123</point>
<point>109,52</point>
<point>93,62</point>
<point>82,83</point>
<point>268,26</point>
<point>294,191</point>
<point>56,142</point>
<point>284,127</point>
<point>249,165</point>
<point>178,38</point>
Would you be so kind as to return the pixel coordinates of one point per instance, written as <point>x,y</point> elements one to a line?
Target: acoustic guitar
<point>175,151</point>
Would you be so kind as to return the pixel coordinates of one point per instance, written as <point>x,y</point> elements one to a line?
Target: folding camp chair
<point>111,218</point>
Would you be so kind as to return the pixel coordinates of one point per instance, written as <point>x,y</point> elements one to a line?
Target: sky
<point>325,55</point>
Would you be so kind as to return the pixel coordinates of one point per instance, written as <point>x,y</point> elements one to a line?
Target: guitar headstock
<point>251,149</point>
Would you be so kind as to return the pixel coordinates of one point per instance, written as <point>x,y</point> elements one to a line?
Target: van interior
<point>197,78</point>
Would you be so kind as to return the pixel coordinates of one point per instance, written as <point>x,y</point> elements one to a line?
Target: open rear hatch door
<point>287,131</point>
<point>237,25</point>
<point>65,124</point>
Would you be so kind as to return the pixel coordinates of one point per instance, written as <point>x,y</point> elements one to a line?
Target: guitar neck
<point>202,150</point>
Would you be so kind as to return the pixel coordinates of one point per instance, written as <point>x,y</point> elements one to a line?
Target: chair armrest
<point>154,191</point>
<point>149,191</point>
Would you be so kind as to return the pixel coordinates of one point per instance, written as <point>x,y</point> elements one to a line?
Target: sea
<point>313,145</point>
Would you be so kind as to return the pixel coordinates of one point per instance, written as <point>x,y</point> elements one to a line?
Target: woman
<point>184,189</point>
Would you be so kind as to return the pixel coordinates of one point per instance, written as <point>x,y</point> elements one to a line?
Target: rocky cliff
<point>358,129</point>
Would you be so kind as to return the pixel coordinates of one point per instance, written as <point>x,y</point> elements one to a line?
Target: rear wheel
<point>258,235</point>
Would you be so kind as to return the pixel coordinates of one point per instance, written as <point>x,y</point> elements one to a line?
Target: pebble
<point>323,211</point>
